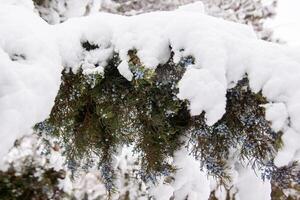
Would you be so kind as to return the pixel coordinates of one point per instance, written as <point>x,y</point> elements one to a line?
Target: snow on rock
<point>30,73</point>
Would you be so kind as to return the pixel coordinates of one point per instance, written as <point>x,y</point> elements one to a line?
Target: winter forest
<point>147,100</point>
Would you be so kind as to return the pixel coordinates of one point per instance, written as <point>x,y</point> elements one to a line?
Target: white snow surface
<point>30,69</point>
<point>22,3</point>
<point>32,53</point>
<point>250,186</point>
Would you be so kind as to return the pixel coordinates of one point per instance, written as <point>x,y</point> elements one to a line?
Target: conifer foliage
<point>98,115</point>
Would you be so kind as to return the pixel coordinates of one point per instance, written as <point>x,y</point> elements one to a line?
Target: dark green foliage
<point>28,185</point>
<point>95,115</point>
<point>243,127</point>
<point>98,117</point>
<point>161,117</point>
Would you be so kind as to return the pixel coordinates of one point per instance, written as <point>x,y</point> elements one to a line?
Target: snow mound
<point>30,73</point>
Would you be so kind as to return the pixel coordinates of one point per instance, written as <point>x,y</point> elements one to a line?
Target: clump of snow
<point>277,114</point>
<point>125,71</point>
<point>71,38</point>
<point>250,186</point>
<point>189,180</point>
<point>199,83</point>
<point>30,73</point>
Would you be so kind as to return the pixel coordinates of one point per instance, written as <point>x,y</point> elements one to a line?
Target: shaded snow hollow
<point>32,53</point>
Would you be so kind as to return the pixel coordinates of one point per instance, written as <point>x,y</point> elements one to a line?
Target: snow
<point>197,7</point>
<point>203,83</point>
<point>91,184</point>
<point>32,55</point>
<point>22,3</point>
<point>30,73</point>
<point>288,153</point>
<point>286,23</point>
<point>277,114</point>
<point>250,186</point>
<point>125,71</point>
<point>189,180</point>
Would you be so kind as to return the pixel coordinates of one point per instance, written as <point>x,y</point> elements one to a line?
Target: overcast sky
<point>287,22</point>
